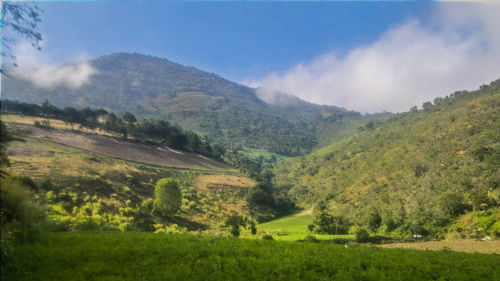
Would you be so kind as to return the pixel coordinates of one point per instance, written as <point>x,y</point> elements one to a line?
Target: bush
<point>267,237</point>
<point>44,124</point>
<point>340,241</point>
<point>362,235</point>
<point>311,238</point>
<point>21,220</point>
<point>329,224</point>
<point>168,197</point>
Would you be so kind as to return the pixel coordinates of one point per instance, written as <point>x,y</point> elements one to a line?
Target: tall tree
<point>168,197</point>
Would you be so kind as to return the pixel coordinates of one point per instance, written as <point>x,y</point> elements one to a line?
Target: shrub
<point>311,238</point>
<point>21,220</point>
<point>267,237</point>
<point>329,224</point>
<point>45,124</point>
<point>168,197</point>
<point>362,235</point>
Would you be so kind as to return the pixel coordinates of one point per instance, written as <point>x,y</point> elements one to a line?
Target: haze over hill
<point>227,112</point>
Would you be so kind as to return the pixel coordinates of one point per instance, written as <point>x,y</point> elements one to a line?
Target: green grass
<point>255,153</point>
<point>293,227</point>
<point>147,256</point>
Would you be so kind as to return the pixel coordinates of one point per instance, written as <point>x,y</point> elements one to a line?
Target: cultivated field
<point>112,146</point>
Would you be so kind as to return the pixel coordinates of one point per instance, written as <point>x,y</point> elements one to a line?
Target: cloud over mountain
<point>36,67</point>
<point>410,63</point>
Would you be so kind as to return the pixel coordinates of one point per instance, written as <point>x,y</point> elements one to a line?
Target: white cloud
<point>409,64</point>
<point>37,68</point>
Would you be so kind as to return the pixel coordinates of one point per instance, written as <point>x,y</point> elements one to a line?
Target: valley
<point>207,172</point>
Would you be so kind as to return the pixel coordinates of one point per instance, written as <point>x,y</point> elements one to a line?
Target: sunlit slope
<point>71,174</point>
<point>101,143</point>
<point>416,172</point>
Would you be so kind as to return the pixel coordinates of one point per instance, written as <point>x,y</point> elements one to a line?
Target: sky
<point>366,56</point>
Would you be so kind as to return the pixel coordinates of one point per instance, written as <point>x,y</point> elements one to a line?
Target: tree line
<point>159,132</point>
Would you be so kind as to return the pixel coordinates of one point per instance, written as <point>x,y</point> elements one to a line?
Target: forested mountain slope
<point>228,113</point>
<point>426,171</point>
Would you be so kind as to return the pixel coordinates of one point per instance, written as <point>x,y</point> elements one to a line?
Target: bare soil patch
<point>118,148</point>
<point>470,246</point>
<point>204,181</point>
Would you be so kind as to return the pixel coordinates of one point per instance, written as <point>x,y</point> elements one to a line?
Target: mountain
<point>224,111</point>
<point>433,171</point>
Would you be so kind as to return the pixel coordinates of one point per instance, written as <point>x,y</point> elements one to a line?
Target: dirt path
<point>120,148</point>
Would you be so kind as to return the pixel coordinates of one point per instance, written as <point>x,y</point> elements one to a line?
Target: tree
<point>5,137</point>
<point>129,118</point>
<point>71,116</point>
<point>235,221</point>
<point>329,224</point>
<point>253,228</point>
<point>426,106</point>
<point>143,220</point>
<point>22,19</point>
<point>362,235</point>
<point>168,197</point>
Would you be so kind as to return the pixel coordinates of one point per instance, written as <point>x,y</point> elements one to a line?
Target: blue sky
<point>235,40</point>
<point>367,56</point>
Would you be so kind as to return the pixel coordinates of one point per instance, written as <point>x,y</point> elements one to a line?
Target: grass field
<point>255,153</point>
<point>293,228</point>
<point>146,256</point>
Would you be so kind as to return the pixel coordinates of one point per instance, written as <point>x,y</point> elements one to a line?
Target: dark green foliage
<point>5,138</point>
<point>311,238</point>
<point>326,223</point>
<point>86,117</point>
<point>143,219</point>
<point>146,256</point>
<point>362,235</point>
<point>159,132</point>
<point>253,228</point>
<point>20,217</point>
<point>267,237</point>
<point>129,118</point>
<point>235,221</point>
<point>266,202</point>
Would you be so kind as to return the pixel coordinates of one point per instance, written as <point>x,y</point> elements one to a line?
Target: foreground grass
<point>147,256</point>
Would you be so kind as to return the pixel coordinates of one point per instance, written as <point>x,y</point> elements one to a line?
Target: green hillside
<point>228,113</point>
<point>433,172</point>
<point>90,181</point>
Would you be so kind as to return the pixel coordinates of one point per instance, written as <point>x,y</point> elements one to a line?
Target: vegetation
<point>83,190</point>
<point>227,113</point>
<point>159,132</point>
<point>168,197</point>
<point>430,172</point>
<point>145,256</point>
